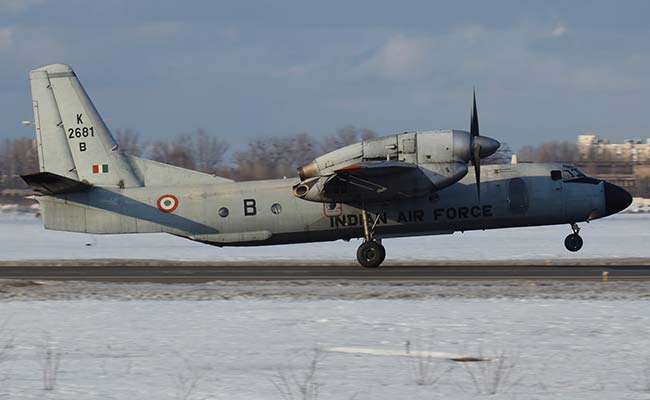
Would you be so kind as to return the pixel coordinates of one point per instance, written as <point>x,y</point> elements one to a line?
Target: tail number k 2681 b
<point>81,132</point>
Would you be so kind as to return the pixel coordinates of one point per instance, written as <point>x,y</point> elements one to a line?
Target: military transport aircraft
<point>407,184</point>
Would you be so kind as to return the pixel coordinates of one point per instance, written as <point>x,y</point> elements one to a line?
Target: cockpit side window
<point>556,174</point>
<point>567,174</point>
<point>570,172</point>
<point>577,172</point>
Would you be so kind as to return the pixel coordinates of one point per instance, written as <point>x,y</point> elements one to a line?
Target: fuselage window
<point>223,212</point>
<point>556,174</point>
<point>276,208</point>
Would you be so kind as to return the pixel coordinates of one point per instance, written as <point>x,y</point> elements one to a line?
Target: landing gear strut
<point>371,253</point>
<point>573,242</point>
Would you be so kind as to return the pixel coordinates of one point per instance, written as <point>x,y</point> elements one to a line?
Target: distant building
<point>625,164</point>
<point>592,148</point>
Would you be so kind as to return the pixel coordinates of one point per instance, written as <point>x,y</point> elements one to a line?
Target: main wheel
<point>573,242</point>
<point>371,254</point>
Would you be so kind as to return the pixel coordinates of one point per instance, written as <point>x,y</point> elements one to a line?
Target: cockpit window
<point>578,172</point>
<point>569,172</point>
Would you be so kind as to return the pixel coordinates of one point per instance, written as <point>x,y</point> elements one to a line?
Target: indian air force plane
<point>406,184</point>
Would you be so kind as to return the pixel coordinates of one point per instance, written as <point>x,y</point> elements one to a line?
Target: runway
<point>193,272</point>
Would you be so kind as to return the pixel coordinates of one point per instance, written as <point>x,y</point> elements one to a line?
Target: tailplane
<point>48,183</point>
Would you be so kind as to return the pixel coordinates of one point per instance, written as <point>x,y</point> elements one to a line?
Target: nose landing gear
<point>371,253</point>
<point>573,242</point>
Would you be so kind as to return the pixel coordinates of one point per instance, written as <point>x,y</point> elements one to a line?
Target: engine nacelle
<point>432,147</point>
<point>441,158</point>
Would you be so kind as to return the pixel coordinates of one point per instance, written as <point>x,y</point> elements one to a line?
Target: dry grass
<point>301,385</point>
<point>425,370</point>
<point>50,360</point>
<point>489,377</point>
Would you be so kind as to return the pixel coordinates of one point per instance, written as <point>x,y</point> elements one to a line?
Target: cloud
<point>159,29</point>
<point>6,37</point>
<point>559,30</point>
<point>508,58</point>
<point>24,48</point>
<point>17,6</point>
<point>294,71</point>
<point>400,57</point>
<point>410,58</point>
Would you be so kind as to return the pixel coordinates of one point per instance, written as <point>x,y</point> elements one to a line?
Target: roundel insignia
<point>167,203</point>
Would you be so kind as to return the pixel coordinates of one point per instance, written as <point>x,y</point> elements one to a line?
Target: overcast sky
<point>543,70</point>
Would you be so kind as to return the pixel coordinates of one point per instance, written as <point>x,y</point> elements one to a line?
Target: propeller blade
<point>476,145</point>
<point>473,129</point>
<point>477,168</point>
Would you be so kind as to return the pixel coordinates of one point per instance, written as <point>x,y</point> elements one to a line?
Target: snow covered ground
<point>248,348</point>
<point>625,235</point>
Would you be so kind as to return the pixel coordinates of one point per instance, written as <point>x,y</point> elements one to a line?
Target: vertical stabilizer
<point>68,111</point>
<point>49,129</point>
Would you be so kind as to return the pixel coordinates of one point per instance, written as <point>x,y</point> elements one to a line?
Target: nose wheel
<point>573,242</point>
<point>371,253</point>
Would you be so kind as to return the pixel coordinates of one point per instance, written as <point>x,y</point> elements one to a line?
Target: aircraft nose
<point>616,199</point>
<point>488,145</point>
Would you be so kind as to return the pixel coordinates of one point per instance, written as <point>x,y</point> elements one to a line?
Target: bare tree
<point>264,157</point>
<point>128,141</point>
<point>198,151</point>
<point>346,136</point>
<point>274,157</point>
<point>550,152</point>
<point>17,157</point>
<point>209,152</point>
<point>502,156</point>
<point>178,152</point>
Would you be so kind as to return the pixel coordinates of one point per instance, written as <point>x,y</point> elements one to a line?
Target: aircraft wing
<point>376,181</point>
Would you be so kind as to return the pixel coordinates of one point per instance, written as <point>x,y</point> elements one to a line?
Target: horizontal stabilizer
<point>49,183</point>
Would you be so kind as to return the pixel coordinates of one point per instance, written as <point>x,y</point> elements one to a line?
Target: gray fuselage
<point>267,212</point>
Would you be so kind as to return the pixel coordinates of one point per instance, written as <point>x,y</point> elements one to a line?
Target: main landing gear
<point>573,242</point>
<point>371,253</point>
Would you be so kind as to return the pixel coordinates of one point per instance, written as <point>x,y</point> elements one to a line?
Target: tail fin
<point>73,140</point>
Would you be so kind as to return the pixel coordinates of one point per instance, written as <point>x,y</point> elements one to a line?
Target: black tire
<point>371,254</point>
<point>573,242</point>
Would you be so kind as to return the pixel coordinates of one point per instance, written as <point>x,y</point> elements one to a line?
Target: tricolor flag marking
<point>100,168</point>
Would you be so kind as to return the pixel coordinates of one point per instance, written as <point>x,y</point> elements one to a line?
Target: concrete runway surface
<point>161,271</point>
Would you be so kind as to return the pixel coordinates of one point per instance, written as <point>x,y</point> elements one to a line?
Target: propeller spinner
<point>482,146</point>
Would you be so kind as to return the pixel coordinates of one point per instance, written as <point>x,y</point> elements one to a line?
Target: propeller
<point>482,146</point>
